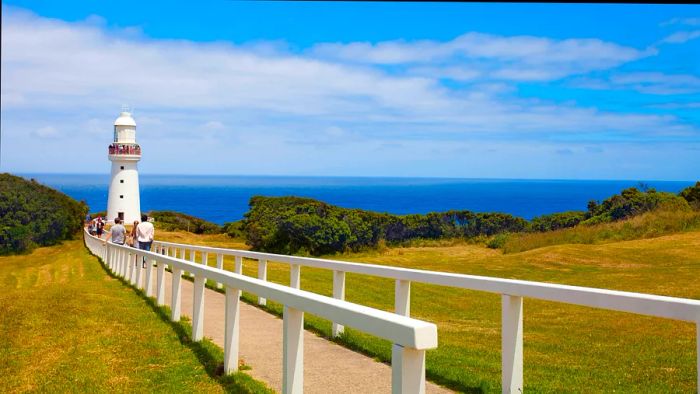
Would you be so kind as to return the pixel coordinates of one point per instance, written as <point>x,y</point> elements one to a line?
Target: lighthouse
<point>124,153</point>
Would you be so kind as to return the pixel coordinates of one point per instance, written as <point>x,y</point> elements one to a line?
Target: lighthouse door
<point>121,216</point>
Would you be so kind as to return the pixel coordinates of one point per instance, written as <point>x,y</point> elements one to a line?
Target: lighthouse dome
<point>125,119</point>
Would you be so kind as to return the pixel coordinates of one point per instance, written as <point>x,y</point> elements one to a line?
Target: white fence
<point>512,292</point>
<point>411,337</point>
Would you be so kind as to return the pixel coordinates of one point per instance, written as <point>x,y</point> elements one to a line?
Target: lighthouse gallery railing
<point>512,292</point>
<point>411,337</point>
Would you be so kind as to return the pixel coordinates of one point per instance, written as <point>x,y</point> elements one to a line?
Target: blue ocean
<point>225,198</point>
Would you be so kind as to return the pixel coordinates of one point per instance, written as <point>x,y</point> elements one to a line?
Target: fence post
<point>118,261</point>
<point>160,285</point>
<point>198,309</point>
<point>338,293</point>
<point>182,253</point>
<point>193,259</point>
<point>262,275</point>
<point>149,277</point>
<point>697,354</point>
<point>167,253</point>
<point>138,263</point>
<point>238,268</point>
<point>511,344</point>
<point>219,265</point>
<point>125,264</point>
<point>407,370</point>
<point>293,350</point>
<point>132,268</point>
<point>175,302</point>
<point>295,276</point>
<point>233,307</point>
<point>402,298</point>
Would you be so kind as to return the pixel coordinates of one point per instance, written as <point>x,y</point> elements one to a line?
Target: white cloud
<point>46,132</point>
<point>501,57</point>
<point>214,125</point>
<point>681,37</point>
<point>682,21</point>
<point>691,105</point>
<point>644,82</point>
<point>262,96</point>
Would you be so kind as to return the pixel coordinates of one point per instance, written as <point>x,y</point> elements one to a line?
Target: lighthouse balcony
<point>124,152</point>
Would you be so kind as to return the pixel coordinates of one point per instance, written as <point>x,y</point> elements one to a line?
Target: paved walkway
<point>328,367</point>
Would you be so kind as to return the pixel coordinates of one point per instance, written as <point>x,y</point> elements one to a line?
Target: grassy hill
<point>647,225</point>
<point>566,348</point>
<point>67,326</point>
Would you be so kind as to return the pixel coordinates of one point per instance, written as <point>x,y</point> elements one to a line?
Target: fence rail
<point>411,337</point>
<point>512,294</point>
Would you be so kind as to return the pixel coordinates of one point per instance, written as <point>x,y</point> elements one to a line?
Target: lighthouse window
<point>121,196</point>
<point>122,167</point>
<point>121,181</point>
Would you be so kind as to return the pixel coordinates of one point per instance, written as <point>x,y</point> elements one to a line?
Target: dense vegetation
<point>170,221</point>
<point>33,215</point>
<point>302,225</point>
<point>631,202</point>
<point>692,195</point>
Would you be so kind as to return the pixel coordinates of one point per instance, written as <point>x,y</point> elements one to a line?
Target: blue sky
<point>568,91</point>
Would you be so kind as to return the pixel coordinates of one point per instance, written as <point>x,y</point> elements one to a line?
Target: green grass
<point>66,325</point>
<point>566,348</point>
<point>648,225</point>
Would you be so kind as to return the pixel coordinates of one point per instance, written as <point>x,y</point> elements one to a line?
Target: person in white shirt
<point>144,235</point>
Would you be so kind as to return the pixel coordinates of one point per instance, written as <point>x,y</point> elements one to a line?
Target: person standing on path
<point>144,235</point>
<point>100,227</point>
<point>117,233</point>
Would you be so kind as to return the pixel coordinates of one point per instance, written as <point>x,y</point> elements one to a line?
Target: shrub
<point>294,224</point>
<point>32,214</point>
<point>628,203</point>
<point>557,221</point>
<point>234,229</point>
<point>170,221</point>
<point>692,195</point>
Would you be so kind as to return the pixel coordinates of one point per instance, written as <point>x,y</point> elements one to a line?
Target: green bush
<point>234,229</point>
<point>32,214</point>
<point>303,225</point>
<point>557,221</point>
<point>692,195</point>
<point>497,241</point>
<point>628,203</point>
<point>172,221</point>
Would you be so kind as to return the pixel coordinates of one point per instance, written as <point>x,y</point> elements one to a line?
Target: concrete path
<point>328,367</point>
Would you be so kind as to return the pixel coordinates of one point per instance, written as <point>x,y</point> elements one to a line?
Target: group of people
<point>140,237</point>
<point>124,149</point>
<point>95,226</point>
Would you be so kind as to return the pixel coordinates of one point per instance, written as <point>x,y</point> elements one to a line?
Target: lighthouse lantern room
<point>124,153</point>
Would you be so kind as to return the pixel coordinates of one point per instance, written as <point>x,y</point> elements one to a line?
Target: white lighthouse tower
<point>124,153</point>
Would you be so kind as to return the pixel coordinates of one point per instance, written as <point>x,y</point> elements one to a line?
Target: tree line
<point>296,225</point>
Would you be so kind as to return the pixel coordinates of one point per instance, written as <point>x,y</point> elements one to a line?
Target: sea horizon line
<point>362,177</point>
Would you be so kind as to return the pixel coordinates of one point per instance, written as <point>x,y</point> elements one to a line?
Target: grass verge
<point>566,348</point>
<point>68,326</point>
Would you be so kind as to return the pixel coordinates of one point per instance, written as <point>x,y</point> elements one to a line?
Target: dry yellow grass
<point>567,348</point>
